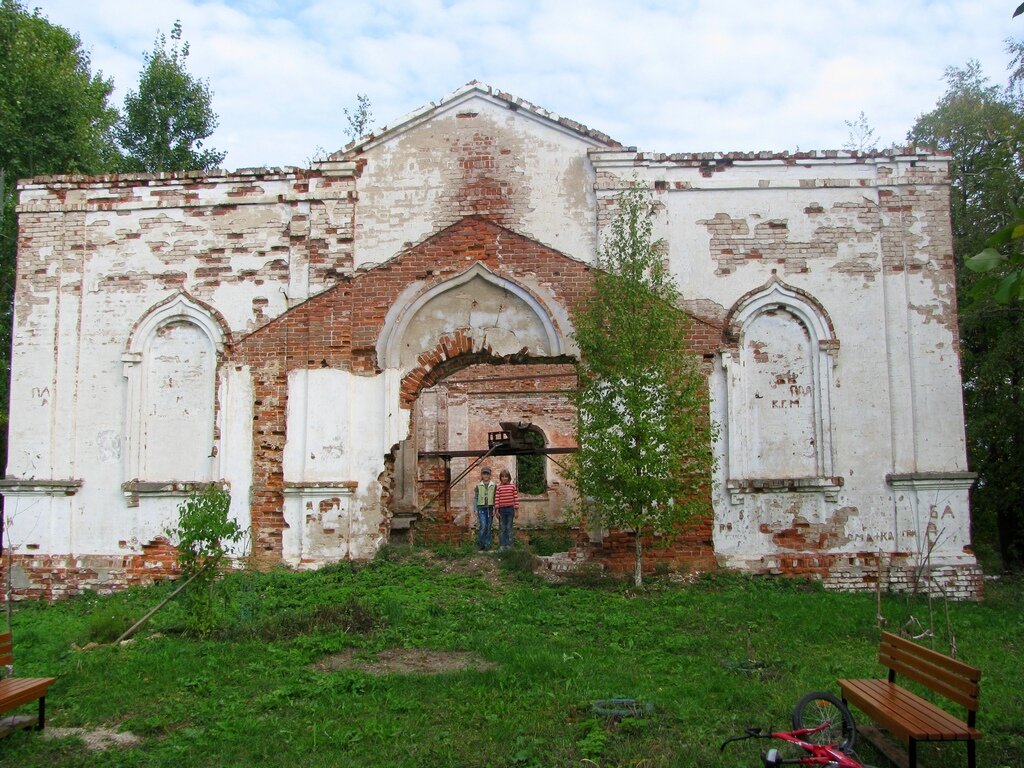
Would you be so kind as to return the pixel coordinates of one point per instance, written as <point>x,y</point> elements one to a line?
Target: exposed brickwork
<point>690,548</point>
<point>339,329</point>
<point>735,241</point>
<point>493,181</point>
<point>267,228</point>
<point>915,218</point>
<point>53,577</point>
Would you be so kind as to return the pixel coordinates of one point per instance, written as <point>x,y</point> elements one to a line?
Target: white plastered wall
<point>894,397</point>
<point>337,437</point>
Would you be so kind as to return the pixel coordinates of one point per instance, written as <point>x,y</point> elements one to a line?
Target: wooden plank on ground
<point>12,723</point>
<point>892,751</point>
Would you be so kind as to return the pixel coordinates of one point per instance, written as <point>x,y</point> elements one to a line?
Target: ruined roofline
<point>810,157</point>
<point>459,95</point>
<point>215,175</point>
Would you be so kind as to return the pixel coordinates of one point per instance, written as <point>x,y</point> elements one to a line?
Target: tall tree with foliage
<point>1001,262</point>
<point>644,429</point>
<point>169,117</point>
<point>54,118</point>
<point>982,125</point>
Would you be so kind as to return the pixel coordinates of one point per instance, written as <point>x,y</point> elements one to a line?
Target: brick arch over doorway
<point>453,353</point>
<point>340,328</point>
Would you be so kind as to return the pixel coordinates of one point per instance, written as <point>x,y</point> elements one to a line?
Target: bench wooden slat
<point>956,681</point>
<point>17,691</point>
<point>934,657</point>
<point>885,708</point>
<point>904,713</point>
<point>6,649</point>
<point>965,698</point>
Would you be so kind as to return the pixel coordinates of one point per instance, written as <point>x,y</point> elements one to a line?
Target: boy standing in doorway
<point>483,500</point>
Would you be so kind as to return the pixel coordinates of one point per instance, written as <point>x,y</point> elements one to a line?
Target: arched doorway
<point>471,352</point>
<point>454,416</point>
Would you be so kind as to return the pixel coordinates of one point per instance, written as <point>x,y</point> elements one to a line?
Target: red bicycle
<point>822,727</point>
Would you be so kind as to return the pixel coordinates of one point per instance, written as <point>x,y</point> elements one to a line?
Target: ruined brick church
<point>325,342</point>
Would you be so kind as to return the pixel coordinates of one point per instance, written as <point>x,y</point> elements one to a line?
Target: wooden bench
<point>908,717</point>
<point>16,691</point>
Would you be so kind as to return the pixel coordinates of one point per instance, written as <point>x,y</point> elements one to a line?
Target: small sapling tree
<point>203,535</point>
<point>359,118</point>
<point>644,429</point>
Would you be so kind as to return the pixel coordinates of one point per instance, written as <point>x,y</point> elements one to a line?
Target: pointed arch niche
<point>171,370</point>
<point>779,383</point>
<point>441,348</point>
<point>498,314</point>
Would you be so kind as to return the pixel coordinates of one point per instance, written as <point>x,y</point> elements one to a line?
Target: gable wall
<point>476,157</point>
<point>276,255</point>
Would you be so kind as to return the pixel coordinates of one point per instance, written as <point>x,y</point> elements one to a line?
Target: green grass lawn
<point>251,694</point>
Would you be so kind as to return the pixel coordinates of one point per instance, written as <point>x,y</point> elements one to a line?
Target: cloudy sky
<point>662,75</point>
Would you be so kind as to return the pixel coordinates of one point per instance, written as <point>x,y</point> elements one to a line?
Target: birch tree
<point>644,429</point>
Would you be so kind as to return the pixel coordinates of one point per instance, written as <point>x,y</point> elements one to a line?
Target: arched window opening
<point>171,372</point>
<point>531,470</point>
<point>778,389</point>
<point>179,379</point>
<point>776,357</point>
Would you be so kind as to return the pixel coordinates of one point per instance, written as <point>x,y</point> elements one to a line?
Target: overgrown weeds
<point>108,622</point>
<point>518,560</point>
<point>350,616</point>
<point>549,541</point>
<point>256,692</point>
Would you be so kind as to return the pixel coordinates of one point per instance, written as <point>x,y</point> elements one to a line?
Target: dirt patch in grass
<point>95,739</point>
<point>405,661</point>
<point>483,565</point>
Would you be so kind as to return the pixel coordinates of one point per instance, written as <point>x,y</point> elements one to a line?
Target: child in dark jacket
<point>483,502</point>
<point>506,499</point>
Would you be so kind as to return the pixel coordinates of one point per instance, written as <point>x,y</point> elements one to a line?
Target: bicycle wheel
<point>821,707</point>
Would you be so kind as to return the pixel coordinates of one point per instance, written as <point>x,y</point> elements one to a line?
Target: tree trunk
<point>134,627</point>
<point>1009,514</point>
<point>638,563</point>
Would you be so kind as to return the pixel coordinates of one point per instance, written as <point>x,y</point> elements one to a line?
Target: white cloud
<point>664,75</point>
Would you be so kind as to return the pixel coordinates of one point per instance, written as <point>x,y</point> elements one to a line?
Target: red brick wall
<point>52,577</point>
<point>340,328</point>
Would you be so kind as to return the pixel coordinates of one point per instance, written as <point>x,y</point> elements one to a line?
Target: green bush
<point>202,535</point>
<point>204,530</point>
<point>109,622</point>
<point>549,541</point>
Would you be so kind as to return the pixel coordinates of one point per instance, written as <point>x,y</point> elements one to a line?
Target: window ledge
<point>28,487</point>
<point>136,489</point>
<point>320,488</point>
<point>829,486</point>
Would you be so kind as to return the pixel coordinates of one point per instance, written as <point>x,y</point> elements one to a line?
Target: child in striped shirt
<point>506,499</point>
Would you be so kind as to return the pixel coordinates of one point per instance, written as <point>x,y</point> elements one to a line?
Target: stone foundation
<point>862,572</point>
<point>55,577</point>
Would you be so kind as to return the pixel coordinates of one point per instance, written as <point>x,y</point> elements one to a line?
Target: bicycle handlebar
<point>751,733</point>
